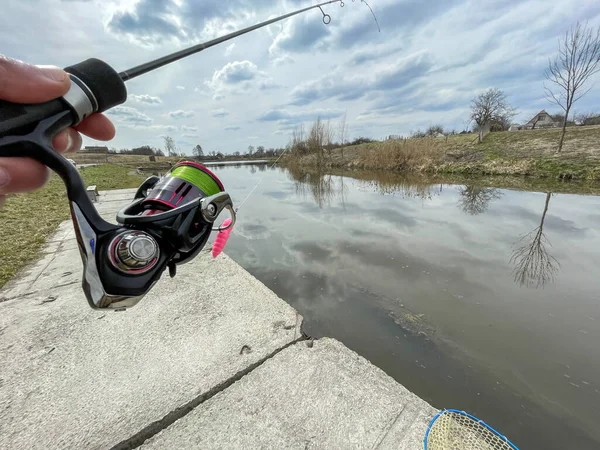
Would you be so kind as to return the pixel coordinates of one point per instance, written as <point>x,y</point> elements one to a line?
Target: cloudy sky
<point>425,65</point>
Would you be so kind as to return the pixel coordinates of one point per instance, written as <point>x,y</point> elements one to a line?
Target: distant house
<point>540,120</point>
<point>94,149</point>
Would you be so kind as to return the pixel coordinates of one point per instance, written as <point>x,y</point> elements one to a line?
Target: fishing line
<point>259,181</point>
<point>371,9</point>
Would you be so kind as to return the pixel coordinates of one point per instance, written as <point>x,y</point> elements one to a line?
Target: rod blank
<point>149,66</point>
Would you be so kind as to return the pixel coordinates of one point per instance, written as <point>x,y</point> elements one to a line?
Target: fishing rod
<point>170,219</point>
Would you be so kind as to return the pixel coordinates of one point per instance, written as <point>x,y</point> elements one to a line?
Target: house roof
<point>543,111</point>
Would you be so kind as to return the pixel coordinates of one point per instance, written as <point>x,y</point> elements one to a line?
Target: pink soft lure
<point>221,239</point>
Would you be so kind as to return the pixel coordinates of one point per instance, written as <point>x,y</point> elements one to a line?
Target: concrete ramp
<point>210,359</point>
<point>312,395</point>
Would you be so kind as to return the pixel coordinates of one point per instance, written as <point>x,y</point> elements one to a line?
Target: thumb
<point>24,83</point>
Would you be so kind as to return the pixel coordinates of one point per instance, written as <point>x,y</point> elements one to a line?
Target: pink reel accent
<point>221,239</point>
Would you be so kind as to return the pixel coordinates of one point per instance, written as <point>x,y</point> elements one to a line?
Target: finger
<point>25,83</point>
<point>21,175</point>
<point>67,141</point>
<point>97,126</point>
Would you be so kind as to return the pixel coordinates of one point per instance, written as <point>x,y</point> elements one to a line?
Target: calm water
<point>481,299</point>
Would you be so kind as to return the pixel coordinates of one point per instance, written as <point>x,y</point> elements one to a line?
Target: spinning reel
<point>170,219</point>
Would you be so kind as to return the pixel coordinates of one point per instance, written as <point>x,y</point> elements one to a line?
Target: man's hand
<point>24,83</point>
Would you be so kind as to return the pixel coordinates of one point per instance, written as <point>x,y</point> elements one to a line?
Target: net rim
<point>457,411</point>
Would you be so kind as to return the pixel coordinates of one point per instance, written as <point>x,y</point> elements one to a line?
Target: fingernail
<point>54,73</point>
<point>4,177</point>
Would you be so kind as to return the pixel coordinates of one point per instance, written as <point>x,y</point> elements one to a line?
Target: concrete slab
<point>72,377</point>
<point>324,396</point>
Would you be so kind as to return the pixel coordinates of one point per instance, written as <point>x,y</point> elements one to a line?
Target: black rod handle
<point>95,87</point>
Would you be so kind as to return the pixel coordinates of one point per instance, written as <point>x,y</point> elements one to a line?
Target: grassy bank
<point>28,219</point>
<point>141,161</point>
<point>523,153</point>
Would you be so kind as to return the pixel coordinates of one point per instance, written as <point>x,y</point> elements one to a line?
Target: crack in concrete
<point>156,427</point>
<point>42,271</point>
<point>30,293</point>
<point>389,428</point>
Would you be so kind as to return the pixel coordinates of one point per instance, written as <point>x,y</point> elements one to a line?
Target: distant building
<point>94,149</point>
<point>540,120</point>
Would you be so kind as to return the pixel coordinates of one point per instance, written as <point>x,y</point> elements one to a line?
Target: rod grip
<point>96,81</point>
<point>20,119</point>
<point>102,80</point>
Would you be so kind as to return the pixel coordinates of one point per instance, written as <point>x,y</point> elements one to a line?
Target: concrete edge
<point>170,418</point>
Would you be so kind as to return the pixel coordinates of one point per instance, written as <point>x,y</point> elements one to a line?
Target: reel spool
<point>177,210</point>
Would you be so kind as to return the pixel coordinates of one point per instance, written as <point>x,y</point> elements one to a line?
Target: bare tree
<point>434,130</point>
<point>475,200</point>
<point>533,264</point>
<point>577,60</point>
<point>343,131</point>
<point>490,106</point>
<point>198,152</point>
<point>586,118</point>
<point>169,146</point>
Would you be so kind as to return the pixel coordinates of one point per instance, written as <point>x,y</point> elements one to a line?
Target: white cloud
<point>229,49</point>
<point>220,112</point>
<point>169,128</point>
<point>181,88</point>
<point>237,77</point>
<point>181,114</point>
<point>145,98</point>
<point>186,128</point>
<point>129,115</point>
<point>283,59</point>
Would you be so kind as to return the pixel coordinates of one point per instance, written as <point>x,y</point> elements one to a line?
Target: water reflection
<point>534,266</point>
<point>475,200</point>
<point>324,187</point>
<point>319,186</point>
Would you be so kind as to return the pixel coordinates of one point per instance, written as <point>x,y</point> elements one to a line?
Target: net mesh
<point>457,431</point>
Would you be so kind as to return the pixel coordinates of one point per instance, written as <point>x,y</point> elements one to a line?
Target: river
<point>473,297</point>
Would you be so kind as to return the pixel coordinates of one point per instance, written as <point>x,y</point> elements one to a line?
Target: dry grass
<point>406,154</point>
<point>529,153</point>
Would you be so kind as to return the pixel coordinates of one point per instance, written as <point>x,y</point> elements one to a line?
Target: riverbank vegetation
<point>28,219</point>
<point>523,153</point>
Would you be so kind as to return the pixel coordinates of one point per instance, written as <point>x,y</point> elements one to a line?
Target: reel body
<point>169,221</point>
<point>121,262</point>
